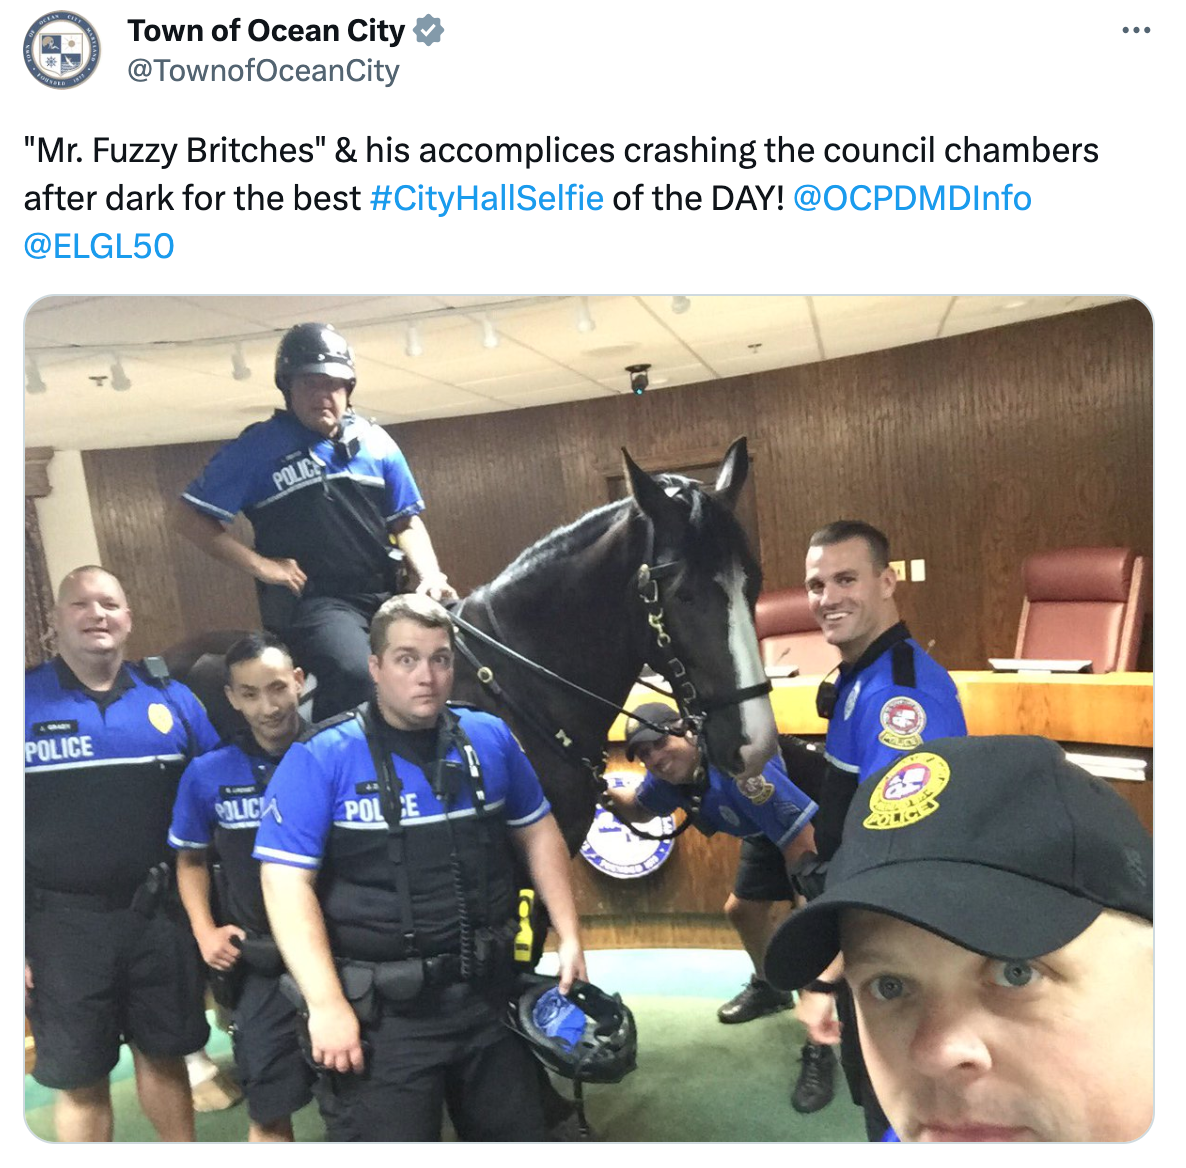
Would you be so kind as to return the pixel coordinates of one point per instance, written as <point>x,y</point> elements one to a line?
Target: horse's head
<point>703,584</point>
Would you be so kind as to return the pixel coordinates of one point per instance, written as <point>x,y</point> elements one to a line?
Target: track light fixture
<point>585,321</point>
<point>680,305</point>
<point>489,333</point>
<point>412,344</point>
<point>638,379</point>
<point>33,379</point>
<point>119,379</point>
<point>239,370</point>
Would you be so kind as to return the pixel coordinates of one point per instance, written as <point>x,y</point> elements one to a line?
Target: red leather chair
<point>1084,604</point>
<point>788,634</point>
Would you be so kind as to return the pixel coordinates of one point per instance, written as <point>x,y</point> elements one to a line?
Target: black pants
<point>329,638</point>
<point>458,1055</point>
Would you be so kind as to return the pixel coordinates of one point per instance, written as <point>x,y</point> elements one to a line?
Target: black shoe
<point>814,1090</point>
<point>757,999</point>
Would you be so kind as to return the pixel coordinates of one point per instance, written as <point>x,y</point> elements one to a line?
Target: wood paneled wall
<point>970,452</point>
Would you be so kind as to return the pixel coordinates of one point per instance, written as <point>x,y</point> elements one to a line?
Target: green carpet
<point>697,1080</point>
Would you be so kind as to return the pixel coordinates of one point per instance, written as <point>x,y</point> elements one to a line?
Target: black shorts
<point>276,1079</point>
<point>102,978</point>
<point>461,1056</point>
<point>761,871</point>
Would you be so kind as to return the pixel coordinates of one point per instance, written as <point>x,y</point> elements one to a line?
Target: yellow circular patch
<point>161,717</point>
<point>908,793</point>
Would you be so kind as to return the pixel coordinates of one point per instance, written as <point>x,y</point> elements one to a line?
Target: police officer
<point>768,805</point>
<point>890,697</point>
<point>218,805</point>
<point>993,903</point>
<point>327,493</point>
<point>770,813</point>
<point>108,956</point>
<point>386,847</point>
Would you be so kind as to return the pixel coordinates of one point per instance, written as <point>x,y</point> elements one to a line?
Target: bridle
<point>694,710</point>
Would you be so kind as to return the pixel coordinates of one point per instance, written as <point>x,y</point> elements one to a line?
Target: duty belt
<point>373,584</point>
<point>45,898</point>
<point>145,899</point>
<point>374,988</point>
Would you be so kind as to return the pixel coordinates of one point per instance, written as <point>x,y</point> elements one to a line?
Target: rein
<point>693,710</point>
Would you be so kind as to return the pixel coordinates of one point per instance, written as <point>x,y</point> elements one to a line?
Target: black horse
<point>664,577</point>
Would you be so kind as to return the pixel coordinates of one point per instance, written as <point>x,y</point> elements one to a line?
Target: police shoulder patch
<point>902,722</point>
<point>756,789</point>
<point>908,792</point>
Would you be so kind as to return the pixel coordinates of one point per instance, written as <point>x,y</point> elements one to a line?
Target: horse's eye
<point>685,596</point>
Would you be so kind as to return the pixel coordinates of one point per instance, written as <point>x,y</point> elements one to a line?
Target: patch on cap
<point>907,793</point>
<point>902,723</point>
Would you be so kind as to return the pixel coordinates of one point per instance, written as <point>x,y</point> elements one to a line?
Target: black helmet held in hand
<point>313,348</point>
<point>586,1035</point>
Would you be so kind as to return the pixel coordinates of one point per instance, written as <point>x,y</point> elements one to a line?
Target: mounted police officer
<point>328,495</point>
<point>108,955</point>
<point>388,872</point>
<point>890,698</point>
<point>218,806</point>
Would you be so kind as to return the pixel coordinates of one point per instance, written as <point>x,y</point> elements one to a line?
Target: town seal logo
<point>61,49</point>
<point>908,793</point>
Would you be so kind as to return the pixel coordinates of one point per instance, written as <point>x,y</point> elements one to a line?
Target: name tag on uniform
<point>66,726</point>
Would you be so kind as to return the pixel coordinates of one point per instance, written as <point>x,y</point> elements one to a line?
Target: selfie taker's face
<point>962,1047</point>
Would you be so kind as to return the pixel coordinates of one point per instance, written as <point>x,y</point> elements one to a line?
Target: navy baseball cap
<point>637,729</point>
<point>998,844</point>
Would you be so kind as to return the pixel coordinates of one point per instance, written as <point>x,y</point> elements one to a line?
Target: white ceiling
<point>177,351</point>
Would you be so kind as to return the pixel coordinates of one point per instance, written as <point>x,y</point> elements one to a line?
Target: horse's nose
<point>760,739</point>
<point>755,755</point>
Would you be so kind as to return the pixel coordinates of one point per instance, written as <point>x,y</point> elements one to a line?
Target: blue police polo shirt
<point>768,804</point>
<point>219,802</point>
<point>101,774</point>
<point>889,705</point>
<point>327,503</point>
<point>329,782</point>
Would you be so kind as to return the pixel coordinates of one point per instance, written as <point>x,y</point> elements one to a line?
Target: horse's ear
<point>650,497</point>
<point>734,470</point>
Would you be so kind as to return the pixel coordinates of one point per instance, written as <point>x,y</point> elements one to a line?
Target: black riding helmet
<point>313,348</point>
<point>586,1035</point>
